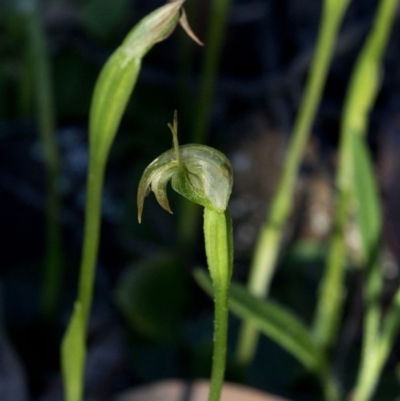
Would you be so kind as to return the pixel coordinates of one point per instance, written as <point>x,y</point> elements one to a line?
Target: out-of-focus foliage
<point>166,330</point>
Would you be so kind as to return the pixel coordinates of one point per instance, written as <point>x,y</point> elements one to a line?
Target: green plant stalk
<point>219,251</point>
<point>363,89</point>
<point>329,385</point>
<point>367,72</point>
<point>370,366</point>
<point>372,371</point>
<point>369,217</point>
<point>53,265</point>
<point>202,175</point>
<point>266,251</point>
<point>112,92</point>
<point>373,362</point>
<point>331,292</point>
<point>189,217</point>
<point>370,61</point>
<point>95,182</point>
<point>280,325</point>
<point>390,328</point>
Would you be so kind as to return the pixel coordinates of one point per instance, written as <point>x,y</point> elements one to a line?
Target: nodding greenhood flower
<point>199,173</point>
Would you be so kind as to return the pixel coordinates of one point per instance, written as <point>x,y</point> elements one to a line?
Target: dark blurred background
<point>150,320</point>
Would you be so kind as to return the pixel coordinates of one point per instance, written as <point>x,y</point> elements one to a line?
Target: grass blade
<point>267,247</point>
<point>44,101</point>
<point>366,192</point>
<point>363,89</point>
<point>356,184</point>
<point>271,319</point>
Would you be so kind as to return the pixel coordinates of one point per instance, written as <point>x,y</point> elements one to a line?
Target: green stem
<point>113,89</point>
<point>331,293</point>
<point>73,350</point>
<point>374,362</point>
<point>219,250</point>
<point>52,271</point>
<point>265,256</point>
<point>220,343</point>
<point>329,385</point>
<point>375,345</point>
<point>374,359</point>
<point>391,326</point>
<point>363,88</point>
<point>95,182</point>
<point>371,372</point>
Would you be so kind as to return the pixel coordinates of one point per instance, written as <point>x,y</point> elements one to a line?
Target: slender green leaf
<point>39,62</point>
<point>118,77</point>
<point>267,247</point>
<point>363,89</point>
<point>272,320</point>
<point>366,191</point>
<point>113,89</point>
<point>369,222</point>
<point>73,365</point>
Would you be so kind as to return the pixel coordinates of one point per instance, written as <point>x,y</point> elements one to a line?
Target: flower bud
<point>199,173</point>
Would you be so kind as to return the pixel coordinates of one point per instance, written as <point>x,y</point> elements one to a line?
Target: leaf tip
<point>183,21</point>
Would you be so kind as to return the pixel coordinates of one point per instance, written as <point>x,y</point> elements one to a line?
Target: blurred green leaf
<point>272,320</point>
<point>363,89</point>
<point>153,296</point>
<point>366,191</point>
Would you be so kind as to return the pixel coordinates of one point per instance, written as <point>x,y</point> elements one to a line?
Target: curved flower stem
<point>219,250</point>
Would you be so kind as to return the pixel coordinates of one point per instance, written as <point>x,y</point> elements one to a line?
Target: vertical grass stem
<point>267,247</point>
<point>53,264</point>
<point>362,92</point>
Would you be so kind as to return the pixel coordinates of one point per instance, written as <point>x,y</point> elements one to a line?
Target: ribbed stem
<point>219,250</point>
